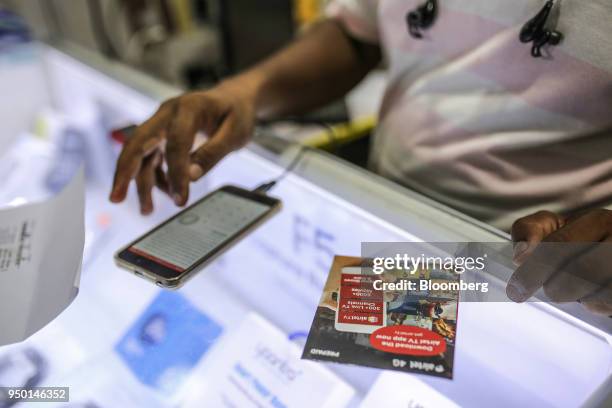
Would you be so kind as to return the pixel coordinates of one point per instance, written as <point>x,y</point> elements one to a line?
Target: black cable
<point>331,133</point>
<point>329,130</point>
<point>267,186</point>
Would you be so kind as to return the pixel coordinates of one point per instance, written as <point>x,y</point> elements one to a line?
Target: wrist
<point>248,86</point>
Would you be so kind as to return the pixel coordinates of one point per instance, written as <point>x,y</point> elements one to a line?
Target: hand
<point>570,258</point>
<point>225,113</point>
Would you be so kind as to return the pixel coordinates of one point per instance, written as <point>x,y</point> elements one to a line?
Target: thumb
<point>211,152</point>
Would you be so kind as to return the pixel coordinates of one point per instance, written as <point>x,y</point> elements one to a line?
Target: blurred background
<point>189,43</point>
<point>192,44</point>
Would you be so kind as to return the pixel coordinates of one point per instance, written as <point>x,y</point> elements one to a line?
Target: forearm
<point>319,67</point>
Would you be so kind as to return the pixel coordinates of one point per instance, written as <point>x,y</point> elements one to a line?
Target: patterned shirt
<point>472,120</point>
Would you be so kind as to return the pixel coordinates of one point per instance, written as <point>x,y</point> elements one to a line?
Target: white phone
<point>181,246</point>
<point>361,308</point>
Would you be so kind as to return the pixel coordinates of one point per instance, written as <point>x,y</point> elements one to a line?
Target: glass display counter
<point>124,342</point>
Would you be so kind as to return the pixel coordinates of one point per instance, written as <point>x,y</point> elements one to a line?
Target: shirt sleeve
<point>359,17</point>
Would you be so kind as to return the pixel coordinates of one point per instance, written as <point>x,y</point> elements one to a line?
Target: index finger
<point>551,256</point>
<point>147,137</point>
<point>181,133</point>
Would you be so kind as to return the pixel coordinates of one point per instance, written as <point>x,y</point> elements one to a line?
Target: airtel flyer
<point>360,320</point>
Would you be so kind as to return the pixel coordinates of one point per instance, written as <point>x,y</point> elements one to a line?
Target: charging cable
<point>267,186</point>
<point>329,130</point>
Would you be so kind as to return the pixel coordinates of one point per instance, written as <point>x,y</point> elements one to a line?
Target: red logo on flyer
<point>410,340</point>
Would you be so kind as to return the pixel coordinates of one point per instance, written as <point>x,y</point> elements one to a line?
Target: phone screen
<point>196,233</point>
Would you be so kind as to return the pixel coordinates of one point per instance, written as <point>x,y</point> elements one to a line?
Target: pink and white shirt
<point>470,119</point>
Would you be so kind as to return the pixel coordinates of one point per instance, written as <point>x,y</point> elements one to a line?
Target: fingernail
<point>195,171</point>
<point>114,196</point>
<point>515,291</point>
<point>178,200</point>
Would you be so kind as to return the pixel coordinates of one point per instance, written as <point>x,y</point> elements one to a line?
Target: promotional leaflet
<point>258,366</point>
<point>399,319</point>
<point>41,249</point>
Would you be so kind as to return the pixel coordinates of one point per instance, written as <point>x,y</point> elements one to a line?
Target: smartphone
<point>361,308</point>
<point>178,248</point>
